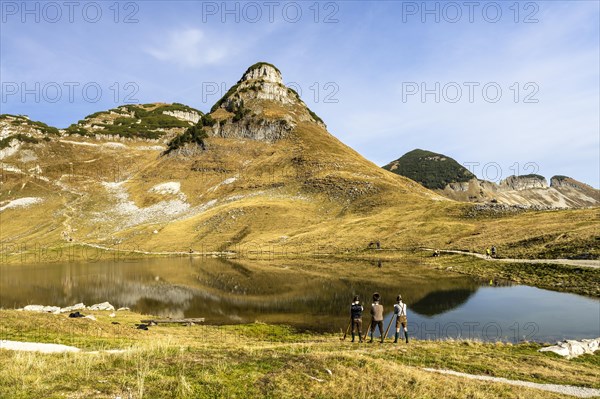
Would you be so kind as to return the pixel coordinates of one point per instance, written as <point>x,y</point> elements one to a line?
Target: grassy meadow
<point>260,360</point>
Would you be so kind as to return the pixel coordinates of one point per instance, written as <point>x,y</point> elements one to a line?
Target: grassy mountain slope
<point>269,178</point>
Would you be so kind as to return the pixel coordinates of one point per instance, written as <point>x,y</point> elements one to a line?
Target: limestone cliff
<point>523,182</point>
<point>260,107</point>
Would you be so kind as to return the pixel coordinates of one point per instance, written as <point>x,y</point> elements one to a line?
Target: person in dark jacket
<point>376,317</point>
<point>356,310</point>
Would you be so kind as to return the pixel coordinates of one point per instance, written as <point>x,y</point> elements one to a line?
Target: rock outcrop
<point>523,182</point>
<point>190,116</point>
<point>571,349</point>
<point>18,129</point>
<point>12,125</point>
<point>260,107</point>
<point>530,192</point>
<point>261,129</point>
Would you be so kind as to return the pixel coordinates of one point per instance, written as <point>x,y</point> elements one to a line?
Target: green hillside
<point>432,170</point>
<point>148,121</point>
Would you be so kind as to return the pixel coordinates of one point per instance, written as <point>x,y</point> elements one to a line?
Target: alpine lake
<point>307,294</point>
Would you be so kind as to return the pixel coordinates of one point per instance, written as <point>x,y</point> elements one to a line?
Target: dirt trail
<point>570,262</point>
<point>570,390</point>
<point>48,348</point>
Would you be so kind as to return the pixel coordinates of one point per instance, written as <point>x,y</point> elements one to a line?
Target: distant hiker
<point>400,312</point>
<point>356,310</point>
<point>487,253</point>
<point>375,244</point>
<point>376,317</point>
<point>493,251</point>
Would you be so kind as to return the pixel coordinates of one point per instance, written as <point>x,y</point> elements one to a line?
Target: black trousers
<point>357,326</point>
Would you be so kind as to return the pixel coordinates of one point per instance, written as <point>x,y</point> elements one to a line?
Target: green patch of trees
<point>145,123</point>
<point>432,170</point>
<point>193,134</point>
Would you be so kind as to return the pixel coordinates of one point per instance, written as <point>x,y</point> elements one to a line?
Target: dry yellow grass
<point>263,361</point>
<point>305,191</point>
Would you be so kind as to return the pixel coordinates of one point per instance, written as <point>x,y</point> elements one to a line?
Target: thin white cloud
<point>188,48</point>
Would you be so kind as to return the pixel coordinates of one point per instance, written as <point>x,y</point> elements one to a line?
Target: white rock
<point>593,344</point>
<point>34,308</point>
<point>42,309</point>
<point>102,306</point>
<point>112,315</point>
<point>122,309</point>
<point>172,187</point>
<point>571,348</point>
<point>78,306</point>
<point>182,115</point>
<point>91,317</point>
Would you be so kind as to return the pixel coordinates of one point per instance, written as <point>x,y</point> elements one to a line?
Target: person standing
<point>376,317</point>
<point>401,321</point>
<point>356,310</point>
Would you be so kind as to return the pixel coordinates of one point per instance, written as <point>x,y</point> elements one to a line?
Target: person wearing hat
<point>400,312</point>
<point>377,316</point>
<point>356,310</point>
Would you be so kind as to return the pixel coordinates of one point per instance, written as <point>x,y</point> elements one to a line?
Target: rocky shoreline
<point>79,306</point>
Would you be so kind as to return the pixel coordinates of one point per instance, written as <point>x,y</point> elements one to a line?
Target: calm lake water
<point>310,295</point>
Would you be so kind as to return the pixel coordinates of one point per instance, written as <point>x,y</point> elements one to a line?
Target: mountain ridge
<point>447,177</point>
<point>241,189</point>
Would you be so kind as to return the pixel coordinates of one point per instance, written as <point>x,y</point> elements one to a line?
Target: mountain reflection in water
<point>305,294</point>
<point>308,294</point>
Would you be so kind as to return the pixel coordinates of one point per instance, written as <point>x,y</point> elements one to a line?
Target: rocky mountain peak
<point>259,107</point>
<point>263,71</point>
<point>261,81</point>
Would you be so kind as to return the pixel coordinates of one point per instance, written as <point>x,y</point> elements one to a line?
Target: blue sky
<point>527,72</point>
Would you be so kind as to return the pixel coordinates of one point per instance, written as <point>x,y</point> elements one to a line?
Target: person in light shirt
<point>400,312</point>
